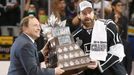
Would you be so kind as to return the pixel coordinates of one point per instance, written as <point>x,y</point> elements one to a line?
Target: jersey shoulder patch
<point>106,21</point>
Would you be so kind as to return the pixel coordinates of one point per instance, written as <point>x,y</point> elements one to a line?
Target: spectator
<point>44,5</point>
<point>30,9</point>
<point>13,12</point>
<point>58,8</point>
<point>2,12</point>
<point>98,7</point>
<point>42,16</point>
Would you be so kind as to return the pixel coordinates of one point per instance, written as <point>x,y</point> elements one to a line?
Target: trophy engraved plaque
<point>71,58</point>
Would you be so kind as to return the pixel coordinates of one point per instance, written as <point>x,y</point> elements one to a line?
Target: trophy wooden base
<point>74,71</point>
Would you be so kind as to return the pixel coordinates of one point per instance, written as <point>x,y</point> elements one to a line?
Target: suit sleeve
<point>41,57</point>
<point>115,48</point>
<point>29,62</point>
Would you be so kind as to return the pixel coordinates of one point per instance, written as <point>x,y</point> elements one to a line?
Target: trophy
<point>63,50</point>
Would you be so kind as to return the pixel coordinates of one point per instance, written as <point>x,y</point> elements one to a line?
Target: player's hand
<point>59,71</point>
<point>92,64</point>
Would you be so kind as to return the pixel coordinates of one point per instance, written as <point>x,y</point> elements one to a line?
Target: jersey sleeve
<point>115,47</point>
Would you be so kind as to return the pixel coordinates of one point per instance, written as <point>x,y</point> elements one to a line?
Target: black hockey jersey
<point>115,49</point>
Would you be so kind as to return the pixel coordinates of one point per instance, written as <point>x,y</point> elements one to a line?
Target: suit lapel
<point>36,53</point>
<point>34,47</point>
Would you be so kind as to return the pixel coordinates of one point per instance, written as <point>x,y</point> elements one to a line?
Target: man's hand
<point>59,71</point>
<point>92,64</point>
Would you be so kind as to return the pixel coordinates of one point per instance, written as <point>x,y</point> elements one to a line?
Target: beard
<point>88,23</point>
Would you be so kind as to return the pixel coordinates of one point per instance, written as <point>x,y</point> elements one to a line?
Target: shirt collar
<point>30,37</point>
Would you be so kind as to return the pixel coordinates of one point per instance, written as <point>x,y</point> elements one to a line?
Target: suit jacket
<point>25,60</point>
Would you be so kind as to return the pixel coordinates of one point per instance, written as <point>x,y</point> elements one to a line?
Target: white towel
<point>98,47</point>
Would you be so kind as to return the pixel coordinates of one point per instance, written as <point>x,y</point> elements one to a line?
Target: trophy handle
<point>50,56</point>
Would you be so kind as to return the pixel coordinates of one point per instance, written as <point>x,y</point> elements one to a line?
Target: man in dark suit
<point>24,56</point>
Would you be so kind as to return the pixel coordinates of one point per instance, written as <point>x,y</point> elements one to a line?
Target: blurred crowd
<point>10,10</point>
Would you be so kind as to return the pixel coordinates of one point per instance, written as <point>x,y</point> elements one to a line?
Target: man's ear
<point>113,7</point>
<point>80,15</point>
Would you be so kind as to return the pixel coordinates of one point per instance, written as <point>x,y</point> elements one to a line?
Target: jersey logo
<point>87,47</point>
